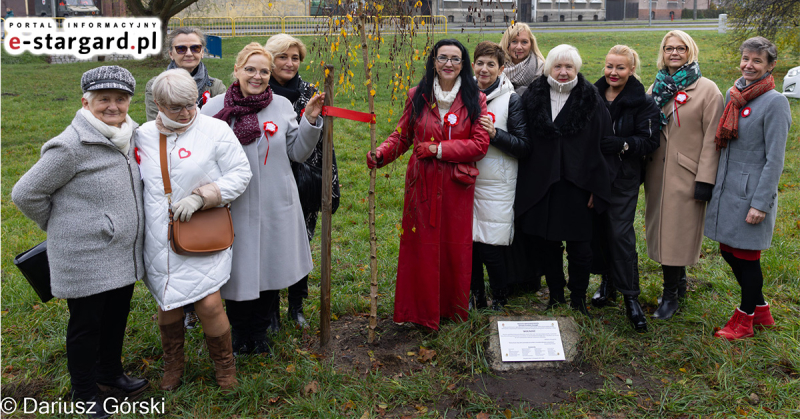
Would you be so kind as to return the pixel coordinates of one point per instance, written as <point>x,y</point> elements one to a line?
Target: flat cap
<point>108,77</point>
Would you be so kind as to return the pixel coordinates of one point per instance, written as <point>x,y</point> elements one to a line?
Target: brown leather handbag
<point>207,232</point>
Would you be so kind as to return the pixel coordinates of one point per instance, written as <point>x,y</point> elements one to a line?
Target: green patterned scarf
<point>666,85</point>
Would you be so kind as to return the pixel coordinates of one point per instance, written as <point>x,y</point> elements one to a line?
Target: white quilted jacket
<point>207,152</point>
<point>493,209</point>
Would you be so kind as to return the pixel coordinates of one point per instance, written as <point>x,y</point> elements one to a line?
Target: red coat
<point>435,261</point>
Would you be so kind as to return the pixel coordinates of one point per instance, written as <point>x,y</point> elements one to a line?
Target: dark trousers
<point>298,292</point>
<point>579,258</point>
<point>614,239</point>
<point>252,317</point>
<point>95,333</point>
<point>494,259</point>
<point>750,278</point>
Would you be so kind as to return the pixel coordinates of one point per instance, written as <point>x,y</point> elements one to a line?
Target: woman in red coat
<point>440,120</point>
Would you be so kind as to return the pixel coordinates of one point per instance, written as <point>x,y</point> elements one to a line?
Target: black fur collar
<point>575,114</point>
<point>632,95</point>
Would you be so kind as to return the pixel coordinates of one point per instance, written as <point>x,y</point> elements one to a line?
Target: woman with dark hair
<point>741,217</point>
<point>634,115</point>
<point>441,122</point>
<point>566,175</point>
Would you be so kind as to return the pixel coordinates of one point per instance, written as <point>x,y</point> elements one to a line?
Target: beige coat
<point>674,220</point>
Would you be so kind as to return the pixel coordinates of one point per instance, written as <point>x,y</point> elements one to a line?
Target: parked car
<point>791,83</point>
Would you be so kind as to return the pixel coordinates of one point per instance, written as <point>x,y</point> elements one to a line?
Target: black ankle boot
<point>240,343</point>
<point>93,406</point>
<point>669,300</point>
<point>133,387</point>
<point>499,299</point>
<point>683,283</point>
<point>556,298</point>
<point>296,314</point>
<point>578,303</point>
<point>274,325</point>
<point>261,343</point>
<point>635,314</point>
<point>606,294</point>
<point>477,299</point>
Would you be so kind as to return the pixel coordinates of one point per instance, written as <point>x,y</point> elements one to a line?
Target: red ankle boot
<point>763,318</point>
<point>740,326</point>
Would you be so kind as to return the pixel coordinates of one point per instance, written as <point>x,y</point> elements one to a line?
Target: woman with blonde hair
<point>288,52</point>
<point>271,250</point>
<point>634,117</point>
<point>681,173</point>
<point>527,62</point>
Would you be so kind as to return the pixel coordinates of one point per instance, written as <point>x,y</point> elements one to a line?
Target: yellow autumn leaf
<point>365,415</point>
<point>372,92</point>
<point>349,17</point>
<point>682,369</point>
<point>378,56</point>
<point>290,368</point>
<point>308,67</point>
<point>334,317</point>
<point>326,73</point>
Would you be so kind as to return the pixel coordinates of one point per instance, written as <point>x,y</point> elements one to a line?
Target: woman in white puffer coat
<point>493,209</point>
<point>207,168</point>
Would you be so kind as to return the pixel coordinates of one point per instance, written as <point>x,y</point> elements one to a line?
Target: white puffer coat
<point>207,152</point>
<point>493,209</point>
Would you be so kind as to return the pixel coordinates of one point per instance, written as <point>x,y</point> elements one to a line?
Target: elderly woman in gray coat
<point>741,215</point>
<point>85,192</point>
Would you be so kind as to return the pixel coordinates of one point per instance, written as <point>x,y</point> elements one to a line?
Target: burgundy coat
<point>435,261</point>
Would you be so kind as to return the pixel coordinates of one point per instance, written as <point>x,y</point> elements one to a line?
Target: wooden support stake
<point>327,193</point>
<point>373,239</point>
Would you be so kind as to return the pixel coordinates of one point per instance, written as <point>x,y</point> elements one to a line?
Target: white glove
<point>184,208</point>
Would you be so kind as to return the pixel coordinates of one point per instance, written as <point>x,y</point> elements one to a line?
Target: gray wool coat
<point>87,195</point>
<point>271,249</point>
<point>748,174</point>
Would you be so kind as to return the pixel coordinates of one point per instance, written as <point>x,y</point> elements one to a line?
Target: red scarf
<point>728,128</point>
<point>245,109</point>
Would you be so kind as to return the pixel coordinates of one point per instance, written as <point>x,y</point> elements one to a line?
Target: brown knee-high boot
<point>172,341</point>
<point>221,352</point>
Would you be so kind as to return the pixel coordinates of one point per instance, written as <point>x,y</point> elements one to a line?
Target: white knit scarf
<point>445,100</point>
<point>167,126</point>
<point>121,137</point>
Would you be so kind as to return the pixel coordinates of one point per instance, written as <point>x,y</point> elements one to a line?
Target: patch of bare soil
<point>535,387</point>
<point>396,350</point>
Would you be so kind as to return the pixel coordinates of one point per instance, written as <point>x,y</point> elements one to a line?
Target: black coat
<point>513,142</point>
<point>567,148</point>
<point>635,117</point>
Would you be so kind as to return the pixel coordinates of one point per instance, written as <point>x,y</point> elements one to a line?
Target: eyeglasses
<point>178,109</point>
<point>442,59</point>
<point>681,49</point>
<point>251,72</point>
<point>181,49</point>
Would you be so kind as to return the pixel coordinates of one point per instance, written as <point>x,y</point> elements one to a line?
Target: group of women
<point>512,146</point>
<point>563,164</point>
<point>107,191</point>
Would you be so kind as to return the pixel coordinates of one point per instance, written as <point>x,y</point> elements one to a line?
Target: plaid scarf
<point>666,85</point>
<point>245,110</point>
<point>524,72</point>
<point>728,128</point>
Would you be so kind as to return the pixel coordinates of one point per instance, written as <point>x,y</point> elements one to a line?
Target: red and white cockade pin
<point>681,97</point>
<point>746,112</point>
<point>206,96</point>
<point>270,128</point>
<point>451,119</point>
<point>493,118</point>
<point>136,155</point>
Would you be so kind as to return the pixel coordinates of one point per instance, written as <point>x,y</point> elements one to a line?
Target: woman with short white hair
<point>206,168</point>
<point>566,175</point>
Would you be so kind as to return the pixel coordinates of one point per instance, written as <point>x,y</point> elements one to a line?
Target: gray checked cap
<point>108,77</point>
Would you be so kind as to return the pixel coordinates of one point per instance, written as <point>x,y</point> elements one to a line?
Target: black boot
<point>477,299</point>
<point>261,343</point>
<point>578,303</point>
<point>682,284</point>
<point>274,325</point>
<point>296,314</point>
<point>132,387</point>
<point>635,314</point>
<point>93,406</point>
<point>241,343</point>
<point>556,297</point>
<point>606,294</point>
<point>669,300</point>
<point>499,299</point>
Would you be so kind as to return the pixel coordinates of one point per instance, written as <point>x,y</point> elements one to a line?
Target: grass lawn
<point>677,369</point>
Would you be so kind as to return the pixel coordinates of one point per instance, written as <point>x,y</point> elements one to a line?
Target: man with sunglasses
<point>186,45</point>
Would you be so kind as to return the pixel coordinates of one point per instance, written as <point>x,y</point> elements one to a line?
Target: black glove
<point>703,191</point>
<point>611,145</point>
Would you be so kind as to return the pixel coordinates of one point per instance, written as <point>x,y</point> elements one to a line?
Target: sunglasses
<point>181,49</point>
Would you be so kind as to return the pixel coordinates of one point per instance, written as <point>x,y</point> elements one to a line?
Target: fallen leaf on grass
<point>682,369</point>
<point>274,400</point>
<point>620,376</point>
<point>349,405</point>
<point>629,382</point>
<point>507,413</point>
<point>482,415</point>
<point>383,406</point>
<point>420,408</point>
<point>411,353</point>
<point>425,355</point>
<point>290,368</point>
<point>36,306</point>
<point>365,415</point>
<point>311,387</point>
<point>451,387</point>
